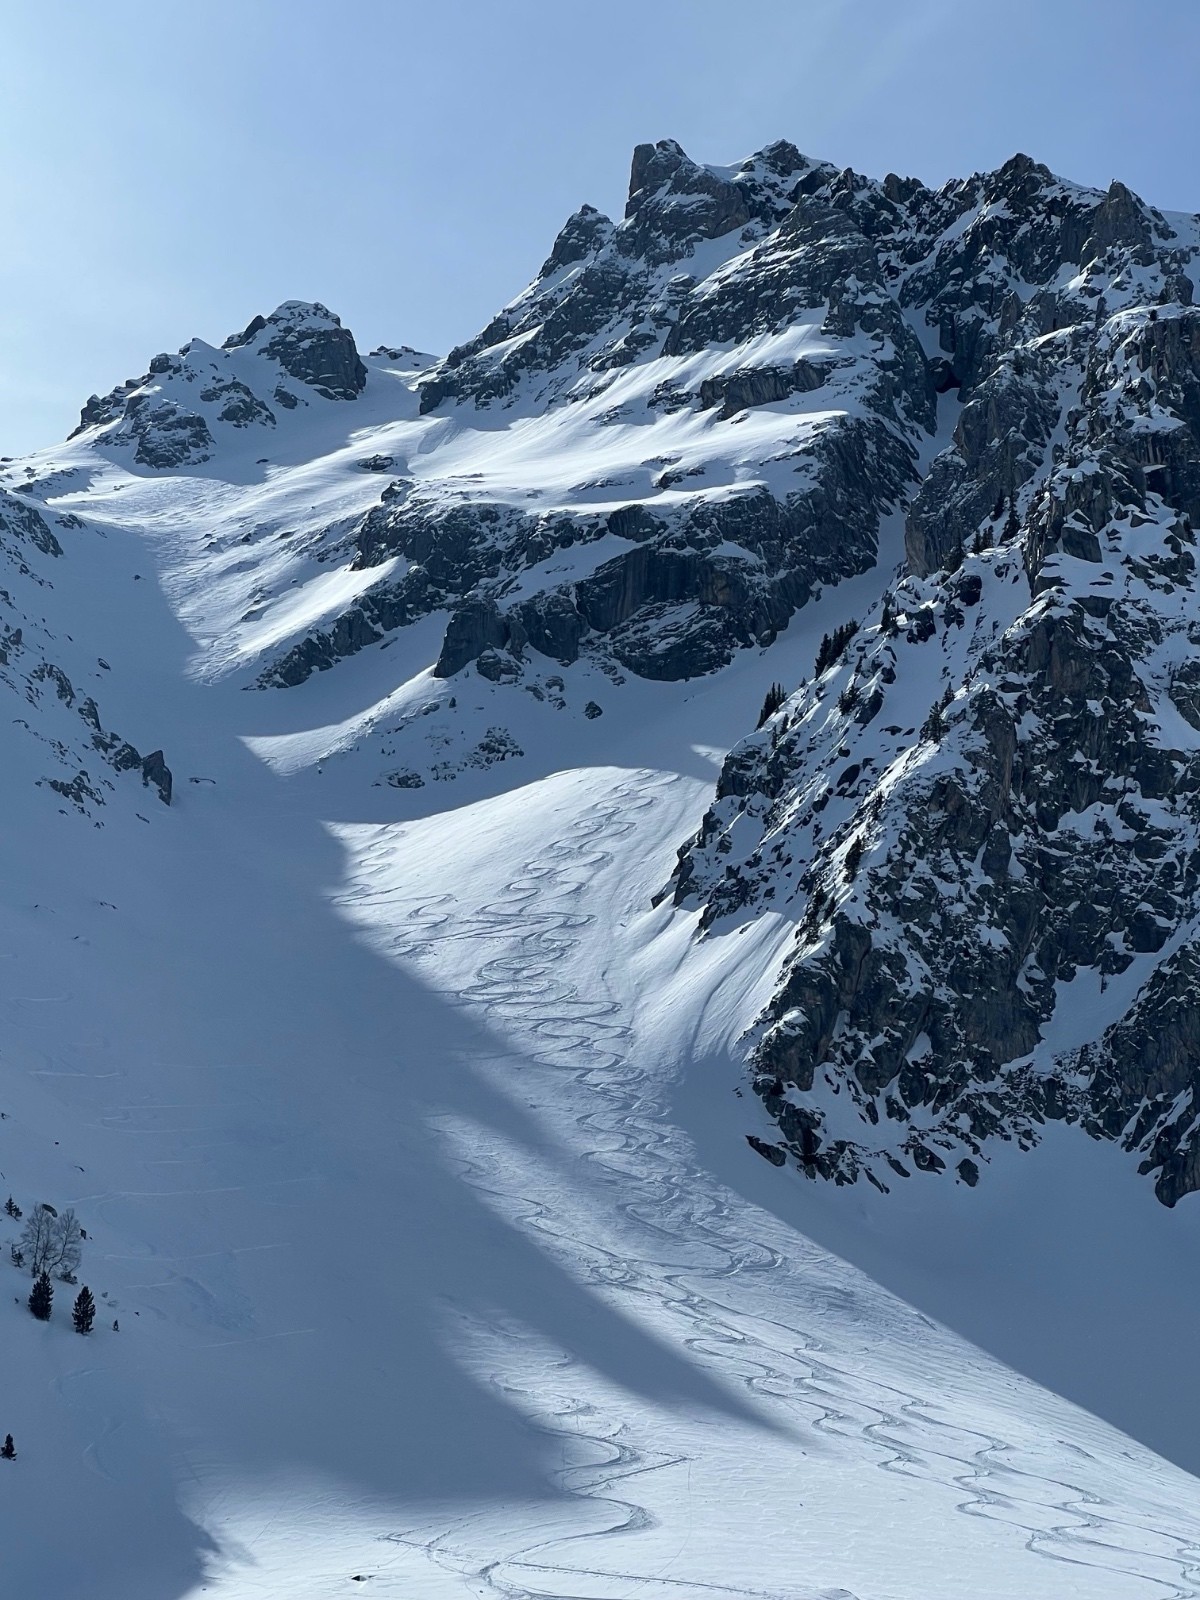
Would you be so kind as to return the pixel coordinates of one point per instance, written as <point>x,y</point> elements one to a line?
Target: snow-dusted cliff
<point>983,812</point>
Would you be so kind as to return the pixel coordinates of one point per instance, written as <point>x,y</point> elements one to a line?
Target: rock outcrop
<point>177,411</point>
<point>59,741</point>
<point>984,810</point>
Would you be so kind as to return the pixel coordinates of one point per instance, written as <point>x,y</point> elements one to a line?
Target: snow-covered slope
<point>404,1111</point>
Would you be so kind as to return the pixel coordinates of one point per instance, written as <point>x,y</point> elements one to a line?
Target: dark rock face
<point>22,524</point>
<point>311,345</point>
<point>1017,863</point>
<point>581,235</point>
<point>674,202</point>
<point>741,391</point>
<point>239,405</point>
<point>156,771</point>
<point>476,626</point>
<point>166,435</point>
<point>57,731</point>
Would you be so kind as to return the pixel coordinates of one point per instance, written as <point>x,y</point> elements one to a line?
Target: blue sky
<point>172,168</point>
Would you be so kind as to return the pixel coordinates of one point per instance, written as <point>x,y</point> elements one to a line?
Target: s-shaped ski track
<point>674,1248</point>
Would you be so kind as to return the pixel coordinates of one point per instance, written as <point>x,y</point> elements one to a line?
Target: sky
<point>171,169</point>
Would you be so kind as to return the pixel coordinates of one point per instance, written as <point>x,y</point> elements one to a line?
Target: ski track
<point>539,921</point>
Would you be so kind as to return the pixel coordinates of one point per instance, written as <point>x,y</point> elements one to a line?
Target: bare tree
<point>37,1237</point>
<point>50,1242</point>
<point>65,1253</point>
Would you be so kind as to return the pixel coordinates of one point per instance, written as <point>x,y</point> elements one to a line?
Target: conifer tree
<point>833,646</point>
<point>83,1313</point>
<point>1012,526</point>
<point>41,1297</point>
<point>934,726</point>
<point>8,1450</point>
<point>775,698</point>
<point>854,858</point>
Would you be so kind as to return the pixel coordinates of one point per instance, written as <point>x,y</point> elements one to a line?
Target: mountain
<point>410,948</point>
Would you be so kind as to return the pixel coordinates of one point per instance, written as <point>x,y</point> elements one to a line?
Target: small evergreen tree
<point>775,698</point>
<point>11,1208</point>
<point>83,1313</point>
<point>833,646</point>
<point>8,1449</point>
<point>41,1297</point>
<point>934,726</point>
<point>1012,526</point>
<point>954,558</point>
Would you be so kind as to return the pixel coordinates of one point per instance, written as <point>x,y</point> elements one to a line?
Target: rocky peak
<point>675,202</point>
<point>174,414</point>
<point>656,165</point>
<point>309,342</point>
<point>732,293</point>
<point>583,234</point>
<point>1119,219</point>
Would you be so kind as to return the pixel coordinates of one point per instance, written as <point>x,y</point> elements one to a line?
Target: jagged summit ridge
<point>767,341</point>
<point>764,338</point>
